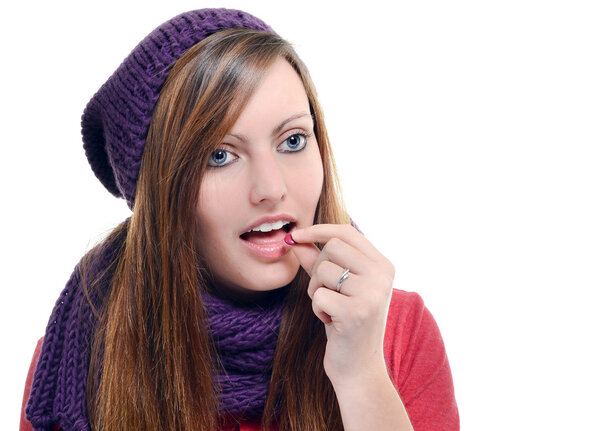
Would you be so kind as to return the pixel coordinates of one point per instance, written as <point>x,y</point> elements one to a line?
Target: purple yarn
<point>245,336</point>
<point>58,391</point>
<point>116,120</point>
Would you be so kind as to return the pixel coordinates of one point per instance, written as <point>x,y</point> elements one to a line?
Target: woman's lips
<point>268,245</point>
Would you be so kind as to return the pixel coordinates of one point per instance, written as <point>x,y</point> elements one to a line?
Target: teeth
<point>268,227</point>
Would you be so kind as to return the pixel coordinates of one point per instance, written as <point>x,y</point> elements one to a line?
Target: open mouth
<point>274,234</point>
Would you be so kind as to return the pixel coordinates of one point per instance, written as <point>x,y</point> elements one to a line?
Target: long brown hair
<point>152,356</point>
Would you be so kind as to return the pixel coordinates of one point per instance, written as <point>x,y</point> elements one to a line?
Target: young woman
<point>239,294</point>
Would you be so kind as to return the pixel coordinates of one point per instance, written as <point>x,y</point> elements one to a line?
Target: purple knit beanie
<point>116,120</point>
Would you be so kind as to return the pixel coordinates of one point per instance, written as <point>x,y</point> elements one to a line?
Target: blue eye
<point>296,142</point>
<point>218,158</point>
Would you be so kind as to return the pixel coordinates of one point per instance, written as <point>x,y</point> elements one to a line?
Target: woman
<point>237,295</point>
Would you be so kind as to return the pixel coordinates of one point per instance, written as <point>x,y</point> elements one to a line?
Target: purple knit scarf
<point>245,336</point>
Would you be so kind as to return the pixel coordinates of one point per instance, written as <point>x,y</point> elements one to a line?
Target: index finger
<point>307,255</point>
<point>322,233</point>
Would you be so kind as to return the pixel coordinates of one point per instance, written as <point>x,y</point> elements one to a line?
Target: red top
<point>416,360</point>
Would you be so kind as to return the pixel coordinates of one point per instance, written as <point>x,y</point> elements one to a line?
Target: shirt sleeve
<point>418,364</point>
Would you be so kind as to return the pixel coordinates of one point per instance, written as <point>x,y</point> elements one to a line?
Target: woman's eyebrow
<point>281,125</point>
<point>277,129</point>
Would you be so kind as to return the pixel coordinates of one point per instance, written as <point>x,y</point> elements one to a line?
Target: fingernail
<point>289,240</point>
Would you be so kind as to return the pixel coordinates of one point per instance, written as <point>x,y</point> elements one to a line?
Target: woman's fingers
<point>335,257</point>
<point>327,303</point>
<point>327,274</point>
<point>340,251</point>
<point>343,254</point>
<point>322,233</point>
<point>335,250</point>
<point>307,255</point>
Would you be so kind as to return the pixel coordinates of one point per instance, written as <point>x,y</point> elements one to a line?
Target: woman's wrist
<point>369,400</point>
<point>349,380</point>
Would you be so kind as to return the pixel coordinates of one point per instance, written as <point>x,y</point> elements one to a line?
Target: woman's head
<point>268,165</point>
<point>236,135</point>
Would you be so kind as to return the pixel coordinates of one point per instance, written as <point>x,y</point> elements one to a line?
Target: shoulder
<point>404,308</point>
<point>410,328</point>
<point>418,364</point>
<point>403,302</point>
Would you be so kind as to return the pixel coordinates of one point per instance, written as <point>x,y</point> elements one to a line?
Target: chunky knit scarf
<point>245,337</point>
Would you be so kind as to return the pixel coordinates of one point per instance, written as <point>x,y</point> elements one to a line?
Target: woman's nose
<point>267,180</point>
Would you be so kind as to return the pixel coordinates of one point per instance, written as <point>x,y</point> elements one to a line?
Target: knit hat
<point>115,122</point>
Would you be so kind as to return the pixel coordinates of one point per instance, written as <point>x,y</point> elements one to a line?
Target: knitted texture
<point>58,392</point>
<point>245,336</point>
<point>115,122</point>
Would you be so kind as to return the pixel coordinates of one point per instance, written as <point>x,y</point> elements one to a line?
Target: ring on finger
<point>344,276</point>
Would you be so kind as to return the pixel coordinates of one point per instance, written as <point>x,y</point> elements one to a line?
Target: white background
<point>467,138</point>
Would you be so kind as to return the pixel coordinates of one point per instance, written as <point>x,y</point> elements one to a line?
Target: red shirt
<point>416,360</point>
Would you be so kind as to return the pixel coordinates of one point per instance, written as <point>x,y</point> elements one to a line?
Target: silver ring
<point>344,276</point>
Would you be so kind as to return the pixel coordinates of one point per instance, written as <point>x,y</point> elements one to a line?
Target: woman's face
<point>268,165</point>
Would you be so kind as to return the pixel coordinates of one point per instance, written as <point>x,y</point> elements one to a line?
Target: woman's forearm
<point>371,403</point>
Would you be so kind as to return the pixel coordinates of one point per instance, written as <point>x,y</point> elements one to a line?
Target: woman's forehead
<point>278,99</point>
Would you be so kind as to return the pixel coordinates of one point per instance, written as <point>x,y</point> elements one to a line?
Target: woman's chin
<point>260,284</point>
<point>264,284</point>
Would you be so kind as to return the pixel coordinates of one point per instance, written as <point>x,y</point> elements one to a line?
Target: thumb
<point>306,253</point>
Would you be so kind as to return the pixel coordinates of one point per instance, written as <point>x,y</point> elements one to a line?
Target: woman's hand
<point>355,317</point>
